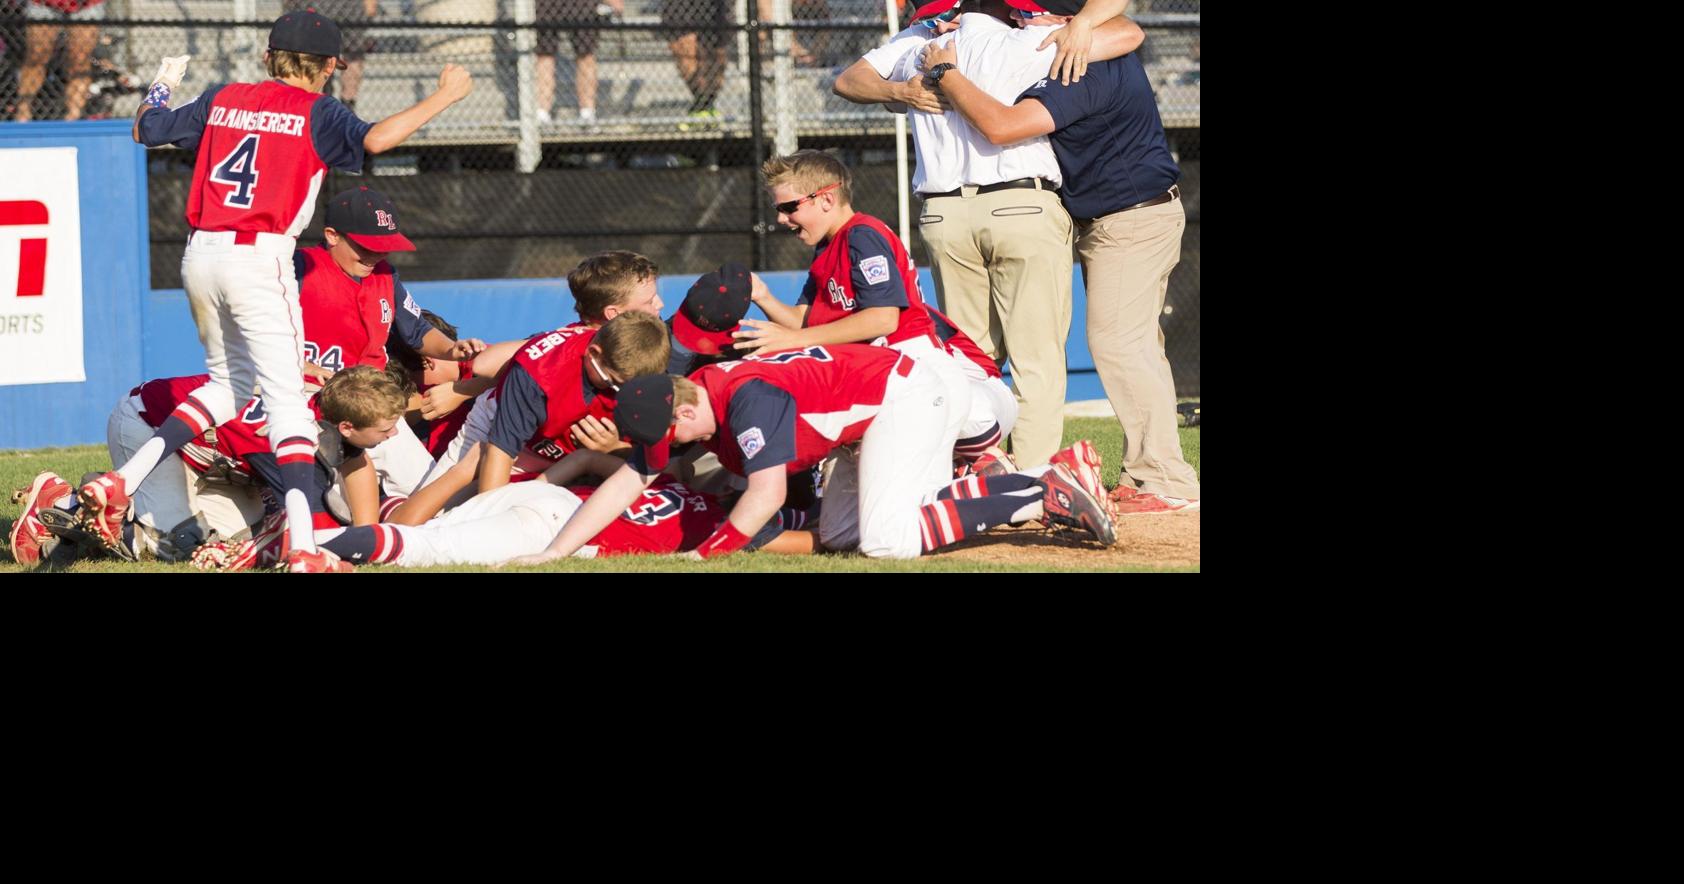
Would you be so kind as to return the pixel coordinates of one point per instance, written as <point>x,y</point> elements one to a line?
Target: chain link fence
<point>593,124</point>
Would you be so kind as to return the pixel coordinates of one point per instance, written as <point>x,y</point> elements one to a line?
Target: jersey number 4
<point>239,171</point>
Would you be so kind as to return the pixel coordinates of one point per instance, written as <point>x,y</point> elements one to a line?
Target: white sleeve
<point>883,58</point>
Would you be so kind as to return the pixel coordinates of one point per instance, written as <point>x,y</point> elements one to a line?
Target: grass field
<point>1039,551</point>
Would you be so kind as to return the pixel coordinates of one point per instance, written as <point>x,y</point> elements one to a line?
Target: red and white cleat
<point>1147,503</point>
<point>994,462</point>
<point>319,562</point>
<point>1069,505</point>
<point>105,505</point>
<point>265,550</point>
<point>28,534</point>
<point>1083,462</point>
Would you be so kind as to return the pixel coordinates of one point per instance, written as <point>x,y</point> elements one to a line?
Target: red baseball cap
<point>713,310</point>
<point>369,219</point>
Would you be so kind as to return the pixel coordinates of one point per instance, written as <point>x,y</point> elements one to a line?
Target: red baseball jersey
<point>960,344</point>
<point>666,518</point>
<point>837,390</point>
<point>258,169</point>
<point>161,397</point>
<point>346,322</point>
<point>555,361</point>
<point>831,280</point>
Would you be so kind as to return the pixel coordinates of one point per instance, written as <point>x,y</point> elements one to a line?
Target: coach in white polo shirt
<point>999,239</point>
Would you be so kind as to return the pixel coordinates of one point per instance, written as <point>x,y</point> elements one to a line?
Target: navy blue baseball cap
<point>713,310</point>
<point>643,414</point>
<point>369,219</point>
<point>308,32</point>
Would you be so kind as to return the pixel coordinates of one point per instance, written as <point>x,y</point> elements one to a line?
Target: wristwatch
<point>937,71</point>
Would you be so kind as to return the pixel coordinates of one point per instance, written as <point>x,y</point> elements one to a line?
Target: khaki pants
<point>1002,264</point>
<point>1126,261</point>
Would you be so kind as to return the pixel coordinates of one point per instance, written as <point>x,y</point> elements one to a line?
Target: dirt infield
<point>1163,540</point>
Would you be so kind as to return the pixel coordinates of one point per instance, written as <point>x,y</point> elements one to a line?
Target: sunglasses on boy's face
<point>949,15</point>
<point>790,207</point>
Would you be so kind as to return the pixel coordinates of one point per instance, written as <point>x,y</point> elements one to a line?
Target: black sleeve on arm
<point>763,417</point>
<point>521,407</point>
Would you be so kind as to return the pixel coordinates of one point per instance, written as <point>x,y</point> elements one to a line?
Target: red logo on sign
<point>32,253</point>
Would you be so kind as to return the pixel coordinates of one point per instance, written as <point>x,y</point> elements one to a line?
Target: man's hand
<point>598,435</point>
<point>466,348</point>
<point>440,400</point>
<point>919,94</point>
<point>756,335</point>
<point>934,54</point>
<point>455,83</point>
<point>1074,40</point>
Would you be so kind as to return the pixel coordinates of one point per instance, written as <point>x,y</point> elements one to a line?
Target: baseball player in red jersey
<point>862,288</point>
<point>776,414</point>
<point>263,150</point>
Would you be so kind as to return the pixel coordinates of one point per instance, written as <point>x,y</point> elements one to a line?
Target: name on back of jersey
<point>256,121</point>
<point>549,342</point>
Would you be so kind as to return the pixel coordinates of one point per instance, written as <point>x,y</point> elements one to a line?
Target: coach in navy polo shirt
<point>1120,188</point>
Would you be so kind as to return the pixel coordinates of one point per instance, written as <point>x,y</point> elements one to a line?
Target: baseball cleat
<point>72,535</point>
<point>105,505</point>
<point>1147,502</point>
<point>1083,463</point>
<point>28,534</point>
<point>1069,505</point>
<point>265,549</point>
<point>322,561</point>
<point>994,462</point>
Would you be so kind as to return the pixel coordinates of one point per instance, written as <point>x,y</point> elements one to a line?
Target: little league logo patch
<point>875,269</point>
<point>410,305</point>
<point>751,441</point>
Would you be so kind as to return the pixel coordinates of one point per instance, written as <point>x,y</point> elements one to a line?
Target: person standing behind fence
<point>263,150</point>
<point>357,43</point>
<point>1121,188</point>
<point>48,19</point>
<point>700,53</point>
<point>584,51</point>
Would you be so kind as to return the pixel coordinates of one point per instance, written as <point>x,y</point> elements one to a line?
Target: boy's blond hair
<point>363,395</point>
<point>283,63</point>
<point>684,392</point>
<point>809,170</point>
<point>634,344</point>
<point>605,280</point>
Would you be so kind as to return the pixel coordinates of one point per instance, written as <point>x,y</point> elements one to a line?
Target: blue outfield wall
<point>499,310</point>
<point>111,174</point>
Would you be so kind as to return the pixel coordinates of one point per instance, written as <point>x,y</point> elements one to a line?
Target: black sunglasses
<point>790,207</point>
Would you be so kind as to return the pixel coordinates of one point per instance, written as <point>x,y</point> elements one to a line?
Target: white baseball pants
<point>173,494</point>
<point>245,302</point>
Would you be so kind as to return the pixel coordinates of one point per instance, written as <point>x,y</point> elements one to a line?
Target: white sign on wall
<point>40,267</point>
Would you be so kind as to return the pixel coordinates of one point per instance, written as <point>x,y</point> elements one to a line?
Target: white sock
<point>1032,510</point>
<point>299,521</point>
<point>142,464</point>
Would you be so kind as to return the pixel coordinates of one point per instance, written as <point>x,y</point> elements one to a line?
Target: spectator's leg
<point>39,42</point>
<point>1029,273</point>
<point>543,86</point>
<point>584,72</point>
<point>79,42</point>
<point>684,54</point>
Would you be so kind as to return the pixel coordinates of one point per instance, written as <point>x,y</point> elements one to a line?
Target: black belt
<point>1174,193</point>
<point>1034,183</point>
